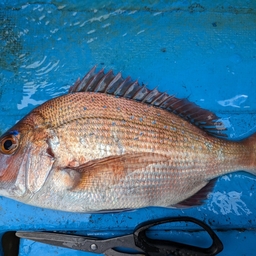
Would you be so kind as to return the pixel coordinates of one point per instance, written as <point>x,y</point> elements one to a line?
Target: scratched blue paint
<point>203,50</point>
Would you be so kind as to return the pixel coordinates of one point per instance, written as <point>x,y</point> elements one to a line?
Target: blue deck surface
<point>203,50</point>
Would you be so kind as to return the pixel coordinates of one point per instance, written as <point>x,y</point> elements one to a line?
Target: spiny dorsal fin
<point>118,86</point>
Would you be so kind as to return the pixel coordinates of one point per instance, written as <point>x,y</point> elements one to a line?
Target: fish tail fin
<point>250,147</point>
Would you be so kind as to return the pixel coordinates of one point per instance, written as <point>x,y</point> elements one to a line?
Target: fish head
<point>26,160</point>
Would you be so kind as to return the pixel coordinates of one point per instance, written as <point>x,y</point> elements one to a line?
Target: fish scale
<point>151,132</point>
<point>112,144</point>
<point>179,152</point>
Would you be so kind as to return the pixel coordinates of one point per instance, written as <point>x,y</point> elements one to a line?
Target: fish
<point>113,144</point>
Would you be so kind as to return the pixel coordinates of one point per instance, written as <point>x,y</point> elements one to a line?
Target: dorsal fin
<point>116,85</point>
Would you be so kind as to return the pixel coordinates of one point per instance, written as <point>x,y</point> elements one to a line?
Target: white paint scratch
<point>233,102</point>
<point>226,203</point>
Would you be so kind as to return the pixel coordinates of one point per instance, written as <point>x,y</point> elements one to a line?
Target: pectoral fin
<point>110,170</point>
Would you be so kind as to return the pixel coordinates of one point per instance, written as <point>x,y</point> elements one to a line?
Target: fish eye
<point>9,144</point>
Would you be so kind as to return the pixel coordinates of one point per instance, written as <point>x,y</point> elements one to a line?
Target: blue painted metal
<point>204,50</point>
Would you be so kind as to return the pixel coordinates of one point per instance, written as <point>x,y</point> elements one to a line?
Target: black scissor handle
<point>154,247</point>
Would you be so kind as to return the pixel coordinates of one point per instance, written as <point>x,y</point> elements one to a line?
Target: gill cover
<point>25,163</point>
<point>37,164</point>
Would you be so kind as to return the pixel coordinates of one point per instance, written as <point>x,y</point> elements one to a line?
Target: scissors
<point>138,240</point>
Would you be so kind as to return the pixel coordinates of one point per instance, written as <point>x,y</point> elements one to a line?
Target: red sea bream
<point>113,144</point>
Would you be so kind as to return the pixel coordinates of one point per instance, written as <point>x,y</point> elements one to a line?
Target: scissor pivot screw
<point>93,247</point>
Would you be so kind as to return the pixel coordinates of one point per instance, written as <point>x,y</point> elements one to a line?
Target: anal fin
<point>198,198</point>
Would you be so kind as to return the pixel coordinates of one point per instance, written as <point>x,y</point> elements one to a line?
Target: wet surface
<point>206,52</point>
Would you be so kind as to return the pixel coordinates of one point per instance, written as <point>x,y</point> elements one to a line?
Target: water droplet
<point>236,58</point>
<point>91,31</point>
<point>232,46</point>
<point>106,25</point>
<point>141,31</point>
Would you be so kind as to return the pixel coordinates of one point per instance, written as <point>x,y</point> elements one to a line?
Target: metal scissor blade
<point>82,243</point>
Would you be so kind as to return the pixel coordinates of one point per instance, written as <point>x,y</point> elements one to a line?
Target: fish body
<point>92,150</point>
